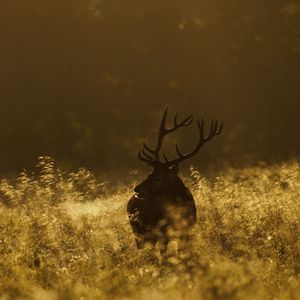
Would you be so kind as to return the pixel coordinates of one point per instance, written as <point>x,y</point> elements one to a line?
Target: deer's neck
<point>178,189</point>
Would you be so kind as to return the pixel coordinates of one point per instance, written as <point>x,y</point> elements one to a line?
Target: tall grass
<point>67,236</point>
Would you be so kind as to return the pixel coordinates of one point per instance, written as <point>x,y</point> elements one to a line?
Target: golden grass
<point>65,236</point>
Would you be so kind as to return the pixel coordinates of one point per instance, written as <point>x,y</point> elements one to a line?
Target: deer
<point>163,208</point>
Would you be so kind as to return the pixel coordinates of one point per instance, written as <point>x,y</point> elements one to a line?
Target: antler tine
<point>143,159</point>
<point>214,129</point>
<point>212,126</point>
<point>186,122</point>
<point>148,149</point>
<point>146,155</point>
<point>175,120</point>
<point>220,128</point>
<point>201,128</point>
<point>166,159</point>
<point>178,151</point>
<point>162,132</point>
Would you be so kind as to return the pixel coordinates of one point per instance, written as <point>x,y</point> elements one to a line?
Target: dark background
<point>85,81</point>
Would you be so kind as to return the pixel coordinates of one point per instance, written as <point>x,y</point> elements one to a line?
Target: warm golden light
<point>83,84</point>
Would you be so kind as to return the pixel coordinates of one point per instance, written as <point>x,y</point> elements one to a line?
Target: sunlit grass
<point>67,236</point>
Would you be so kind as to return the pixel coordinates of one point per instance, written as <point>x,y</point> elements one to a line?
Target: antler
<point>163,131</point>
<point>215,129</point>
<point>152,156</point>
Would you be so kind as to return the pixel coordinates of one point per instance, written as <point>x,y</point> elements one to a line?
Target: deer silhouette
<point>163,208</point>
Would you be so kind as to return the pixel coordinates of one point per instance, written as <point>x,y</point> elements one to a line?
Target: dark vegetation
<point>79,80</point>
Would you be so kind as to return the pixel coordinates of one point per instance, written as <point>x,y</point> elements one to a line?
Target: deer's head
<point>164,177</point>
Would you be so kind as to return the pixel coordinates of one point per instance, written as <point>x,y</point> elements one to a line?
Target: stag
<point>163,208</point>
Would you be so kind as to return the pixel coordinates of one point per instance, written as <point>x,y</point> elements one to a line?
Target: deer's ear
<point>173,170</point>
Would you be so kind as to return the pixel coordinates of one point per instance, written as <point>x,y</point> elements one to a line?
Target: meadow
<point>65,235</point>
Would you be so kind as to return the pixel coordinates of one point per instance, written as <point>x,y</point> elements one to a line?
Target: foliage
<point>66,236</point>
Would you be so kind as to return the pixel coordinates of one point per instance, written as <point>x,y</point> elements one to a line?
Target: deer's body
<point>163,208</point>
<point>162,217</point>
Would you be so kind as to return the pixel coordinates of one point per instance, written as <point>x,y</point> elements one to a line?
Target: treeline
<point>86,81</point>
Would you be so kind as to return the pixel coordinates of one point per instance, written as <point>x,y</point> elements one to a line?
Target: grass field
<point>67,236</point>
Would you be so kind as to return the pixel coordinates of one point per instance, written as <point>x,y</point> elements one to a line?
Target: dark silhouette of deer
<point>163,208</point>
